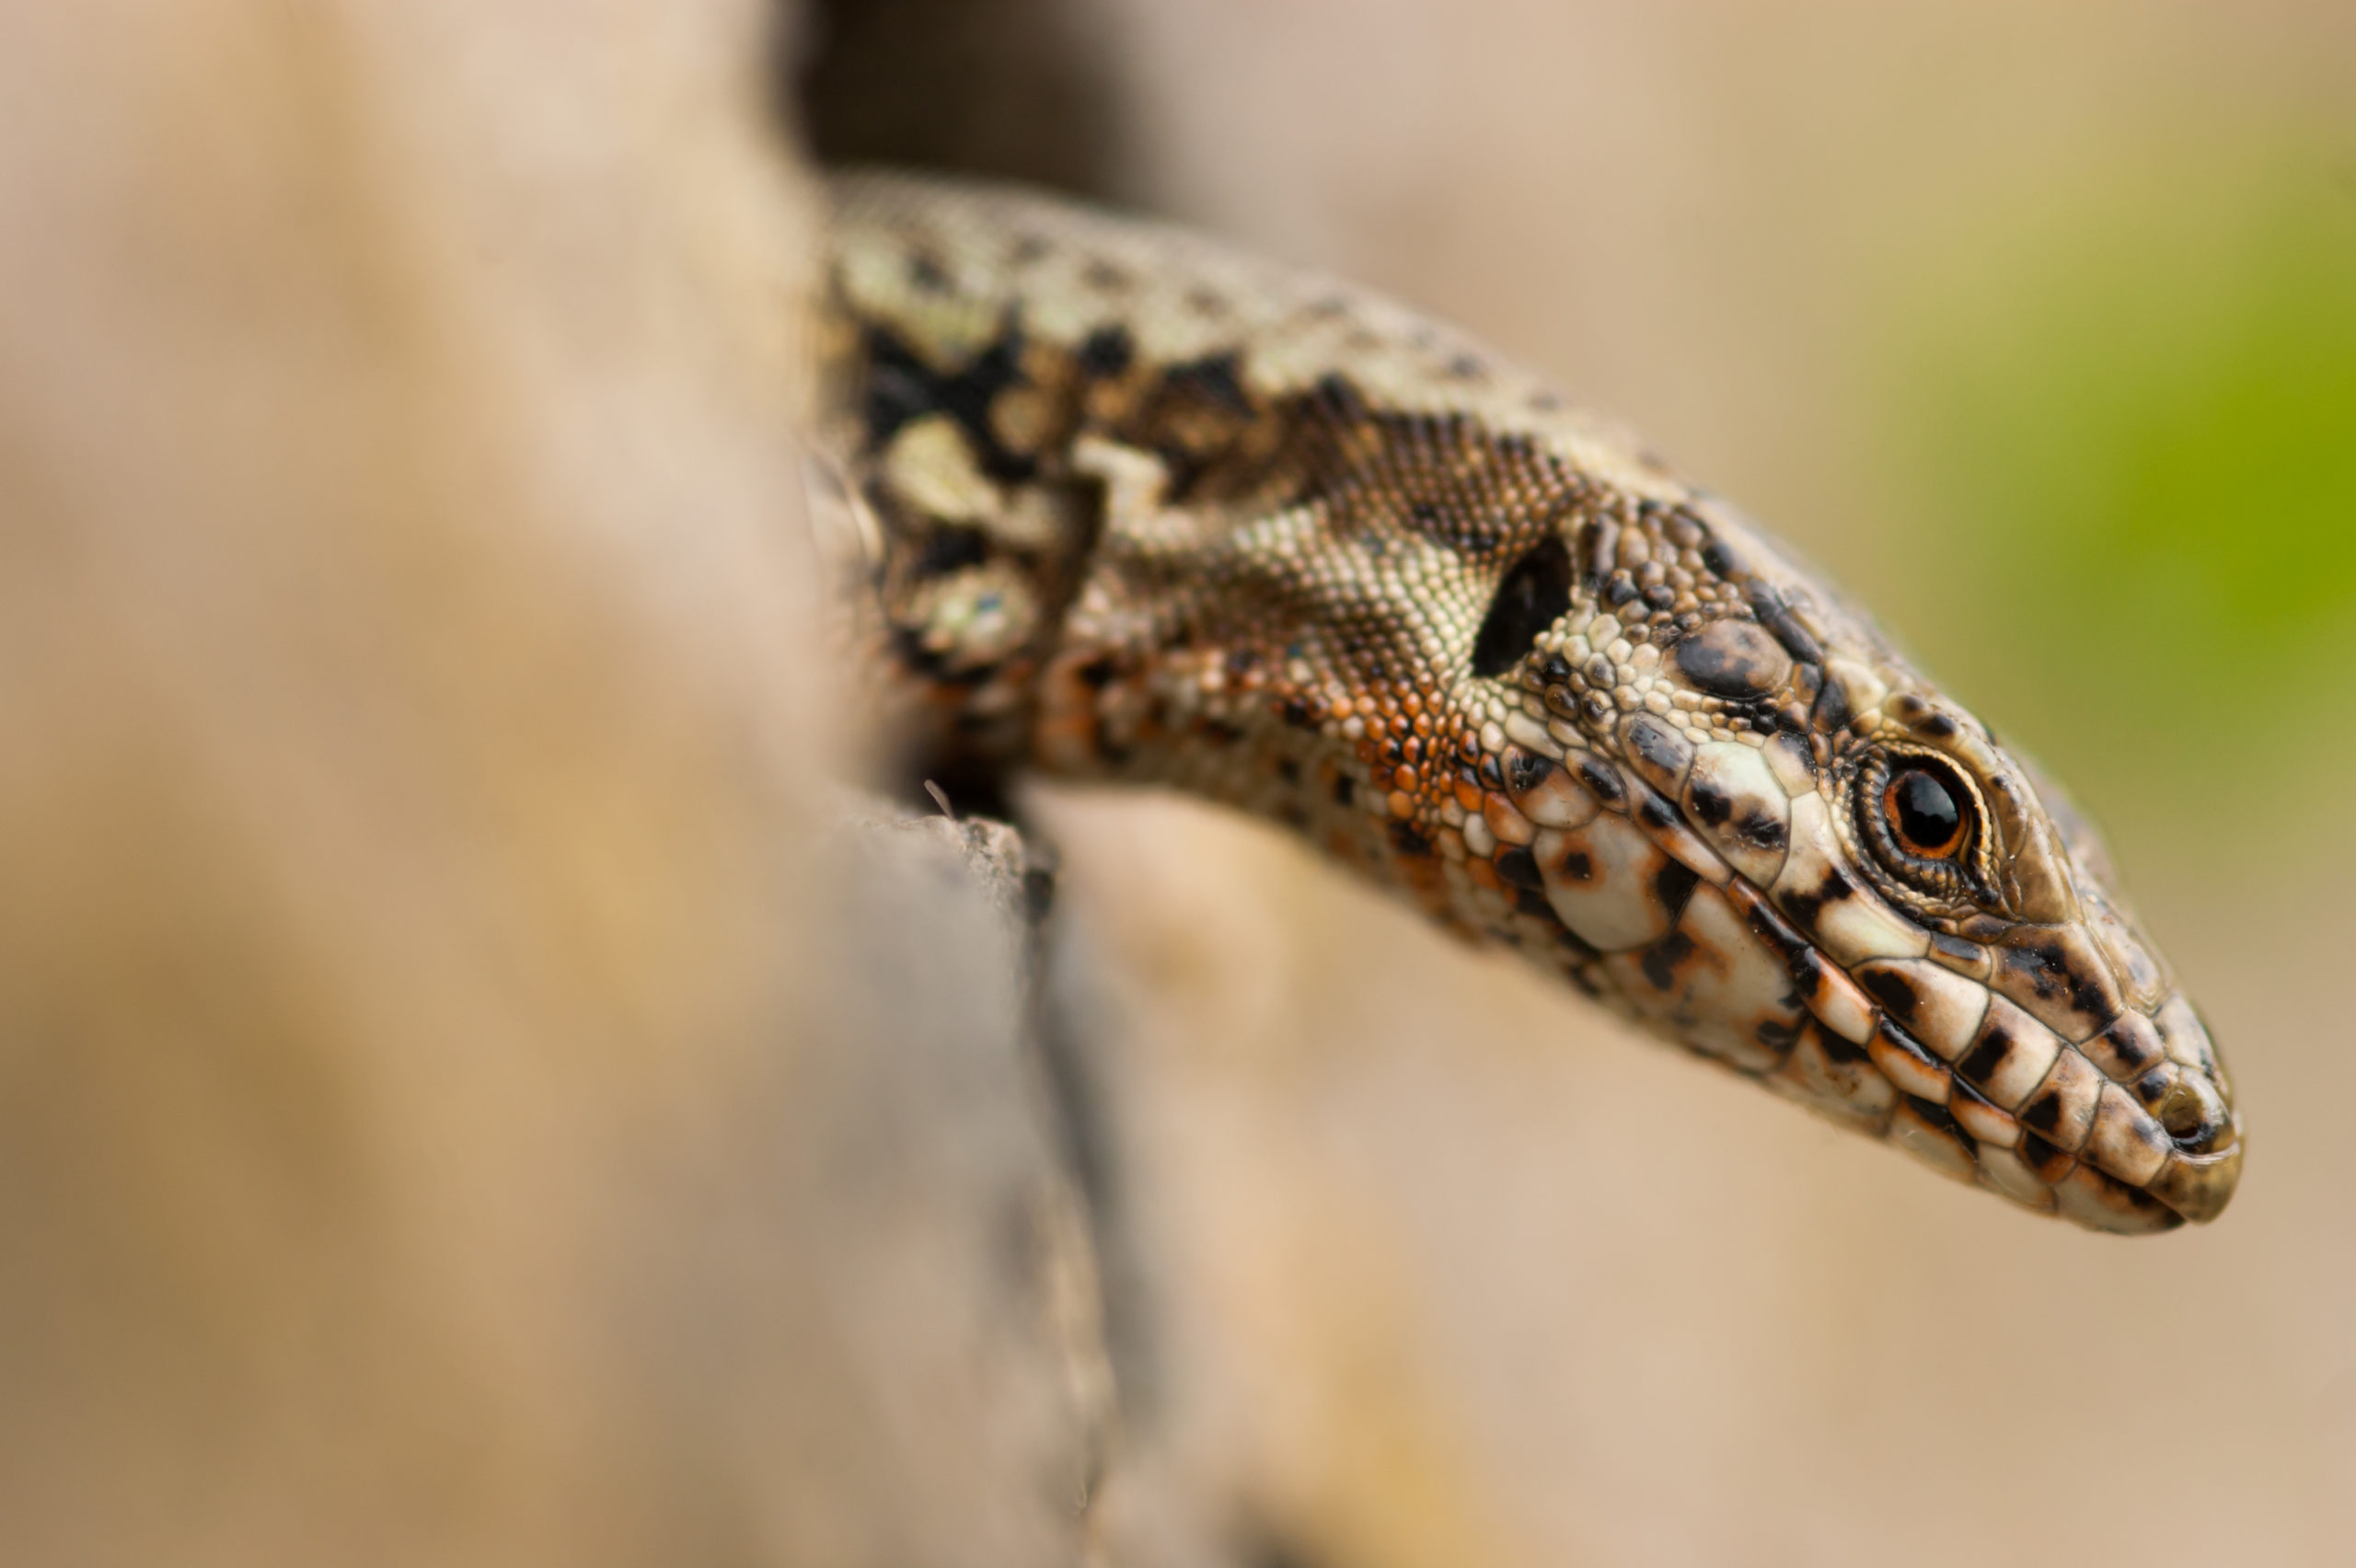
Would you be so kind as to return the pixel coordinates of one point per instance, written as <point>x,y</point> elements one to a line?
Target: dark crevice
<point>1019,89</point>
<point>1533,597</point>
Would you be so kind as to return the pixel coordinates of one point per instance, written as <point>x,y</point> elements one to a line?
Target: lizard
<point>1126,504</point>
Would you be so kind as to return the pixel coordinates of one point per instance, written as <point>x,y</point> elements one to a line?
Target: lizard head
<point>1788,850</point>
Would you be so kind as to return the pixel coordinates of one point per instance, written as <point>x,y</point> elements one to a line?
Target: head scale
<point>1884,913</point>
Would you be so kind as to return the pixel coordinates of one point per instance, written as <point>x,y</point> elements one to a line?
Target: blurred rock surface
<point>470,1091</point>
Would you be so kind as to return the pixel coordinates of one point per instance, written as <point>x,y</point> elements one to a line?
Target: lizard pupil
<point>1924,812</point>
<point>1532,597</point>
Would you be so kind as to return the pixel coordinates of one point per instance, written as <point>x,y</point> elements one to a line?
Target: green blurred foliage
<point>2128,425</point>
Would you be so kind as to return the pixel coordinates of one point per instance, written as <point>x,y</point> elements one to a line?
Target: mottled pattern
<point>1129,506</point>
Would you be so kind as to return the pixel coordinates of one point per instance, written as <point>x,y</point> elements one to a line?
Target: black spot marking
<point>1525,771</point>
<point>2044,1112</point>
<point>1106,352</point>
<point>1734,658</point>
<point>2050,975</point>
<point>1339,397</point>
<point>1517,867</point>
<point>1533,903</point>
<point>925,273</point>
<point>1296,714</point>
<point>1099,672</point>
<point>1777,617</point>
<point>1578,865</point>
<point>901,387</point>
<point>1408,839</point>
<point>1938,727</point>
<point>1661,961</point>
<point>1798,959</point>
<point>1533,597</point>
<point>1345,790</point>
<point>2043,1158</point>
<point>1987,1057</point>
<point>1659,745</point>
<point>907,644</point>
<point>1216,379</point>
<point>1599,777</point>
<point>1720,557</point>
<point>1620,590</point>
<point>1839,1048</point>
<point>2135,1049</point>
<point>950,549</point>
<point>2135,1198</point>
<point>1776,1034</point>
<point>1765,832</point>
<point>1942,1118</point>
<point>2087,994</point>
<point>1184,468</point>
<point>1674,885</point>
<point>1831,710</point>
<point>1809,908</point>
<point>1711,805</point>
<point>1893,991</point>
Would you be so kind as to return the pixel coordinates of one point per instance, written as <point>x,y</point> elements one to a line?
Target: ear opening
<point>1534,595</point>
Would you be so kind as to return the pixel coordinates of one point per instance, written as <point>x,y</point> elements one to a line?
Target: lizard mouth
<point>2131,1157</point>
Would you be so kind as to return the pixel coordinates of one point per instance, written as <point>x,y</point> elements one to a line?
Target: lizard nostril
<point>2192,1111</point>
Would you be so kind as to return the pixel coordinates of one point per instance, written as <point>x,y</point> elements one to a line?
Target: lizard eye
<point>1920,821</point>
<point>1923,812</point>
<point>1532,597</point>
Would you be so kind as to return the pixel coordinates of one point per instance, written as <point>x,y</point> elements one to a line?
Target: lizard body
<point>1132,507</point>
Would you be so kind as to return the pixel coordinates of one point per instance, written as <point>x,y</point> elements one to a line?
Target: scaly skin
<point>1132,507</point>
